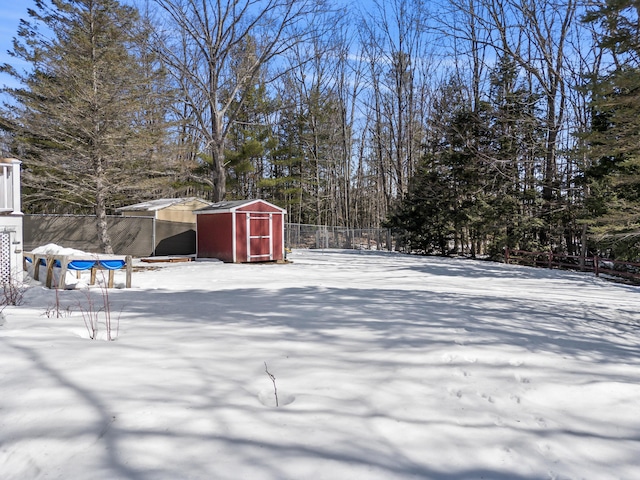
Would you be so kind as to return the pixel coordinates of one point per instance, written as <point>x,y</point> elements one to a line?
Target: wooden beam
<point>129,262</point>
<point>36,267</point>
<point>64,263</point>
<point>49,281</point>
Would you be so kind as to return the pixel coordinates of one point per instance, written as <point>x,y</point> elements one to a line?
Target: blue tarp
<point>86,264</point>
<point>112,264</point>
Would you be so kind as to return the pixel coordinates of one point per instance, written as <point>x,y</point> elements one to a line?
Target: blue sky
<point>11,11</point>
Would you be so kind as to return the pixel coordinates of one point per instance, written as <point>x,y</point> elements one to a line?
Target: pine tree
<point>250,142</point>
<point>444,206</point>
<point>88,119</point>
<point>518,140</point>
<point>423,221</point>
<point>475,191</point>
<point>614,139</point>
<point>285,174</point>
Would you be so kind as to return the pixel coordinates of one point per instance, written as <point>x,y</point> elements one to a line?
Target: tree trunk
<point>218,170</point>
<point>101,214</point>
<point>218,173</point>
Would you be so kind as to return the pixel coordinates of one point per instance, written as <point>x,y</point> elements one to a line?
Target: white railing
<point>10,186</point>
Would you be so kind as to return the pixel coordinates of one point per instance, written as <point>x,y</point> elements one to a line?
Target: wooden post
<point>129,262</point>
<point>506,255</point>
<point>49,280</point>
<point>596,267</point>
<point>111,275</point>
<point>25,257</point>
<point>94,271</point>
<point>36,267</point>
<point>63,271</point>
<point>550,260</point>
<point>583,248</point>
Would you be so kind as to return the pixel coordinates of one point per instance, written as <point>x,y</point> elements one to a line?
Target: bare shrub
<point>55,310</point>
<point>12,292</point>
<point>97,311</point>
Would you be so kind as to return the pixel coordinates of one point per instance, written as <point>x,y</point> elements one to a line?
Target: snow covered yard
<point>387,367</point>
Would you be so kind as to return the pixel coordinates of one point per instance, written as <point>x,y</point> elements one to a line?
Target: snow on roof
<point>227,205</point>
<point>159,204</point>
<point>230,205</point>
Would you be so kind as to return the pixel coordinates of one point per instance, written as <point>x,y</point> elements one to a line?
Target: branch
<point>273,380</point>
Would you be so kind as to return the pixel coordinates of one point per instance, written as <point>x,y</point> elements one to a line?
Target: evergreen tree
<point>250,141</point>
<point>444,207</point>
<point>476,190</point>
<point>517,135</point>
<point>286,173</point>
<point>614,139</point>
<point>88,118</point>
<point>423,221</point>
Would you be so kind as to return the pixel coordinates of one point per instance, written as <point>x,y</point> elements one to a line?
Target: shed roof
<point>159,204</point>
<point>232,205</point>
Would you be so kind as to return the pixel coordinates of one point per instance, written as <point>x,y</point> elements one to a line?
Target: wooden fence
<point>599,266</point>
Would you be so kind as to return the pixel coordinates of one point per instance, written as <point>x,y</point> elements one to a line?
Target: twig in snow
<point>273,380</point>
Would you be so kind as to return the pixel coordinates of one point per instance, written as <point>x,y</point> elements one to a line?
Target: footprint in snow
<point>448,358</point>
<point>487,397</point>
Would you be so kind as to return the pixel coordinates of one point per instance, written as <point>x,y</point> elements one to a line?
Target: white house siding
<point>11,229</point>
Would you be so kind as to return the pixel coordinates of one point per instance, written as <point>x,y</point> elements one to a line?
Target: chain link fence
<point>318,236</point>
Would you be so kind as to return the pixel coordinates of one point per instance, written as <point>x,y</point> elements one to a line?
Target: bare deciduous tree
<point>206,54</point>
<point>395,37</point>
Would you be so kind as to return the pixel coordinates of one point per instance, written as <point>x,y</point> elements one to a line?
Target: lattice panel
<point>5,257</point>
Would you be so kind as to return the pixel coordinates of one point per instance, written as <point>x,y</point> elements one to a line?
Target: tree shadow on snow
<point>384,330</point>
<point>399,318</point>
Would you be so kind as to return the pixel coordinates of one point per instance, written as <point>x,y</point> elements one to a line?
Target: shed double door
<point>259,237</point>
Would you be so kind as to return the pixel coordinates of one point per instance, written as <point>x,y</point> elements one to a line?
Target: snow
<point>53,249</point>
<point>387,366</point>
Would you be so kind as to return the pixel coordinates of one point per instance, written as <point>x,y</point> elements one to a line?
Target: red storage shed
<point>240,231</point>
